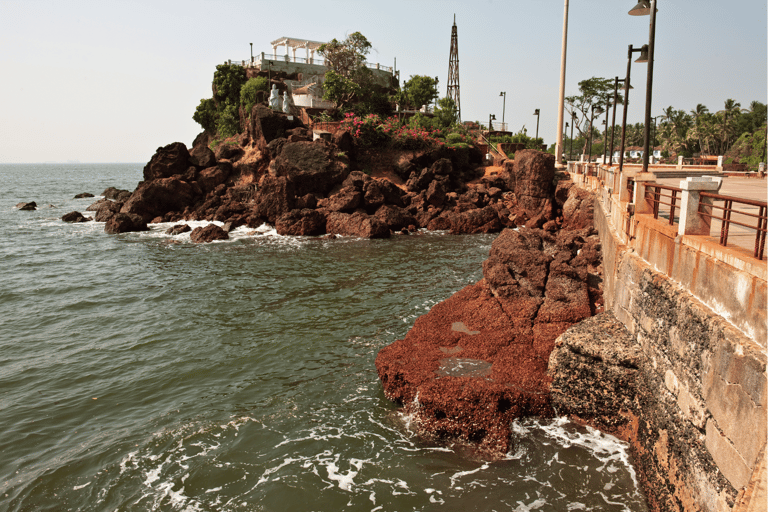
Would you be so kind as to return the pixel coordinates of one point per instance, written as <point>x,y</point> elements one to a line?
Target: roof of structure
<point>294,42</point>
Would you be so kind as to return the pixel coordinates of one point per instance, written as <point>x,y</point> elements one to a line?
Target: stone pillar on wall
<point>679,162</point>
<point>691,221</point>
<point>641,204</point>
<point>624,195</point>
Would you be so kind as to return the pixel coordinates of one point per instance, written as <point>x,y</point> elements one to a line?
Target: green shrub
<point>228,123</point>
<point>205,114</point>
<point>249,93</point>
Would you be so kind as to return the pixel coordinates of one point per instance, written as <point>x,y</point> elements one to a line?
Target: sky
<point>96,81</point>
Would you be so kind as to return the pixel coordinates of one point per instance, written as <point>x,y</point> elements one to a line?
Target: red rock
<point>125,222</point>
<point>345,200</point>
<point>394,217</point>
<point>167,161</point>
<point>356,224</point>
<point>156,198</point>
<point>274,198</point>
<point>207,234</point>
<point>482,220</point>
<point>304,222</point>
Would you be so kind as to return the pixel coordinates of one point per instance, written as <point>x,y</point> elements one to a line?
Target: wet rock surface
<point>479,360</point>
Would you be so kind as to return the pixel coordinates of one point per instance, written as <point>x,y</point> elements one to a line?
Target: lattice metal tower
<point>453,70</point>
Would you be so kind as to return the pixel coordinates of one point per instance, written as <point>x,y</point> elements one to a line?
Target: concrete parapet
<point>701,323</point>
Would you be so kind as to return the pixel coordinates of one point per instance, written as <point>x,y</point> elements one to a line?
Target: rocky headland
<point>275,173</point>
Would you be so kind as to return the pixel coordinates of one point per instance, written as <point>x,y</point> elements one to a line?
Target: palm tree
<point>732,108</point>
<point>698,112</point>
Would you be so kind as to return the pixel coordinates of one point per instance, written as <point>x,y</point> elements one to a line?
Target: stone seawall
<point>684,386</point>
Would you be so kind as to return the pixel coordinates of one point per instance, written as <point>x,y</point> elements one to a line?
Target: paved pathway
<point>748,188</point>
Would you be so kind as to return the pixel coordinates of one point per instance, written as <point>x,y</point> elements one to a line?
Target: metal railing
<point>759,224</point>
<point>656,197</point>
<point>318,61</point>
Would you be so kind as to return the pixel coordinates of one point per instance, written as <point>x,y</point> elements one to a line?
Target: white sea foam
<point>78,487</point>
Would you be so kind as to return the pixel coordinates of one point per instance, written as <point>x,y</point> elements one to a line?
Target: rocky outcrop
<point>167,161</point>
<point>116,194</point>
<point>312,167</point>
<point>74,217</point>
<point>356,224</point>
<point>479,359</point>
<point>27,206</point>
<point>304,222</point>
<point>124,223</point>
<point>207,234</point>
<point>157,197</point>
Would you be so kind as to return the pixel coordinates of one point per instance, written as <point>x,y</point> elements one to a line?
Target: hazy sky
<point>110,81</point>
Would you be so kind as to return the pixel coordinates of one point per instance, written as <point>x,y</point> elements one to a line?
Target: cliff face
<point>479,359</point>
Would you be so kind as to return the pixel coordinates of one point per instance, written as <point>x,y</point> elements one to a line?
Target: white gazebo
<point>293,44</point>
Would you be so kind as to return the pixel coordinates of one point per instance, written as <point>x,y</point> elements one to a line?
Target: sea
<point>141,371</point>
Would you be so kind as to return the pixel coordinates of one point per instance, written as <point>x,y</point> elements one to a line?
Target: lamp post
<point>615,107</point>
<point>643,8</point>
<point>626,100</point>
<point>536,113</point>
<point>251,53</point>
<point>561,97</point>
<point>573,122</point>
<point>589,143</point>
<point>503,109</point>
<point>491,117</point>
<point>605,137</point>
<point>565,133</point>
<point>653,136</point>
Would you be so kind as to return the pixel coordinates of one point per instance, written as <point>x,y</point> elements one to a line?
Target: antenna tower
<point>453,70</point>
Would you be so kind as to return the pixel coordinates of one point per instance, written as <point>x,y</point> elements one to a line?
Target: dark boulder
<point>178,229</point>
<point>265,125</point>
<point>212,177</point>
<point>202,157</point>
<point>345,200</point>
<point>125,222</point>
<point>106,210</point>
<point>156,198</point>
<point>116,194</point>
<point>356,224</point>
<point>27,206</point>
<point>311,166</point>
<point>395,218</point>
<point>230,152</point>
<point>304,222</point>
<point>356,179</point>
<point>480,220</point>
<point>74,217</point>
<point>83,195</point>
<point>436,193</point>
<point>531,177</point>
<point>167,161</point>
<point>207,234</point>
<point>274,198</point>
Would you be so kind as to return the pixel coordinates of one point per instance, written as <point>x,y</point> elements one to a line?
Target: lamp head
<point>536,112</point>
<point>643,55</point>
<point>643,8</point>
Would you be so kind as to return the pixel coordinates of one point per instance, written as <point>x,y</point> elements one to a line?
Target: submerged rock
<point>74,217</point>
<point>207,234</point>
<point>27,206</point>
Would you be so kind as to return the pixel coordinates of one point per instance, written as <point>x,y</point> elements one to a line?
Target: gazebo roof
<point>293,42</point>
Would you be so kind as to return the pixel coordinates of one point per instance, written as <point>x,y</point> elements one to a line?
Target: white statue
<point>274,98</point>
<point>287,102</point>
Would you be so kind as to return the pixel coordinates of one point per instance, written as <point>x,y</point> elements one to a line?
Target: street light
<point>626,100</point>
<point>589,144</point>
<point>615,107</point>
<point>251,53</point>
<point>491,117</point>
<point>644,8</point>
<point>504,109</point>
<point>573,122</point>
<point>536,113</point>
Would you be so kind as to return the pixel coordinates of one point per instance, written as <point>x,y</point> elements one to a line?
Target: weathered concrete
<point>700,324</point>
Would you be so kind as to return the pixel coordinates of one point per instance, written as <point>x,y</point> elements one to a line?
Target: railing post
<point>679,163</point>
<point>691,222</point>
<point>642,205</point>
<point>720,163</point>
<point>624,195</point>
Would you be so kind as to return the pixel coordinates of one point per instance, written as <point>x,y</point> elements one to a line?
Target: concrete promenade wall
<point>699,315</point>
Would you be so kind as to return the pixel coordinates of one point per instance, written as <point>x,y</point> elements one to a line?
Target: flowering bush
<point>373,131</point>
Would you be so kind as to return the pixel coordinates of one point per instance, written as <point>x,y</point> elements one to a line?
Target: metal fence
<point>744,217</point>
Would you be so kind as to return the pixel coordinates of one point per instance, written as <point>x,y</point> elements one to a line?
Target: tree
<point>227,81</point>
<point>249,93</point>
<point>339,89</point>
<point>420,90</point>
<point>446,112</point>
<point>205,114</point>
<point>348,56</point>
<point>594,91</point>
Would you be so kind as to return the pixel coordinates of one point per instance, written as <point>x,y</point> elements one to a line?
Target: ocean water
<point>143,372</point>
